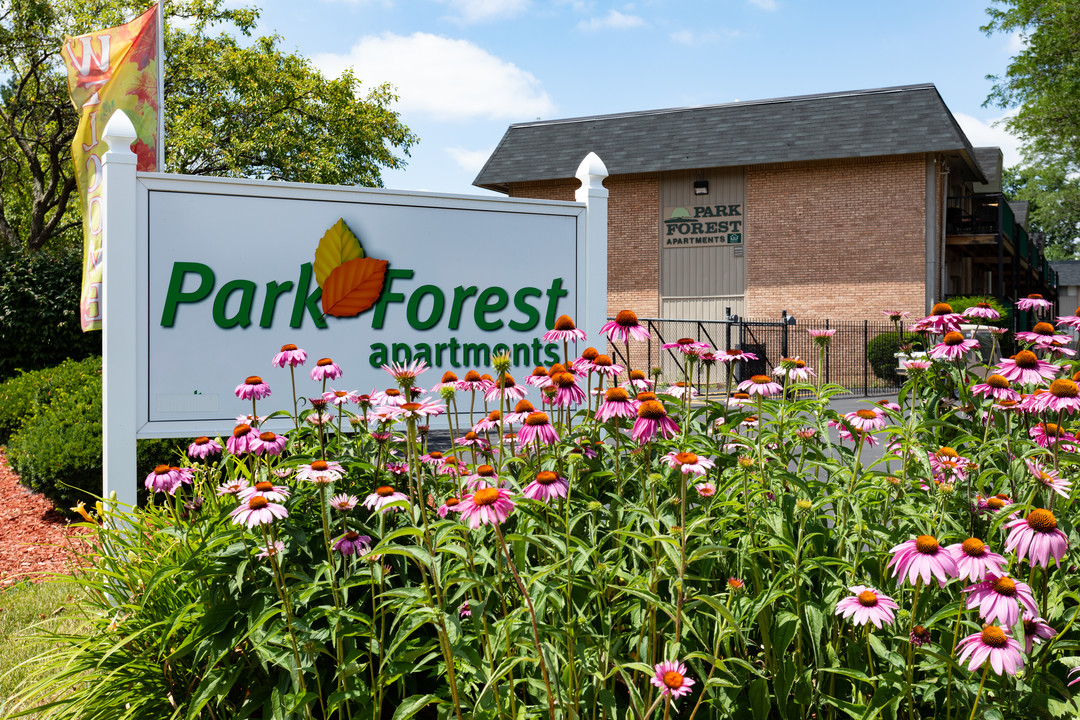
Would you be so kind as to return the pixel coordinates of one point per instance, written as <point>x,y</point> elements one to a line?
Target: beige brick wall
<point>836,239</point>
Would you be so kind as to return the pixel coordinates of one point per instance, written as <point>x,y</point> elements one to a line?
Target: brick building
<point>827,206</point>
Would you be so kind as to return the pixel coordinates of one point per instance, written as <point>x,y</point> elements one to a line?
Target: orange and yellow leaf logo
<point>350,282</point>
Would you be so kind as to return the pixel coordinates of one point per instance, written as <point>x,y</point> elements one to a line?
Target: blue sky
<point>466,69</point>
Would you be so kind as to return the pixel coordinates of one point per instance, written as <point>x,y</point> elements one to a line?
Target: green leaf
<point>759,699</point>
<point>412,705</point>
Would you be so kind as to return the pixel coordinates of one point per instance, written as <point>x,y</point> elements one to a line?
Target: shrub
<point>21,395</point>
<point>962,303</point>
<point>39,311</point>
<point>881,353</point>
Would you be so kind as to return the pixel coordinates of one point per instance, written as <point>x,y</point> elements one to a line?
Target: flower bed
<point>593,548</point>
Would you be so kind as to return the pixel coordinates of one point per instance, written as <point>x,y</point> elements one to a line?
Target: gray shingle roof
<point>988,159</point>
<point>1068,272</point>
<point>863,123</point>
<point>1020,211</point>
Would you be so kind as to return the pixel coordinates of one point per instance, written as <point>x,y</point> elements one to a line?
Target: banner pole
<point>159,150</point>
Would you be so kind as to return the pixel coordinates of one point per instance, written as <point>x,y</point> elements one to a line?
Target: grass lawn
<point>27,611</point>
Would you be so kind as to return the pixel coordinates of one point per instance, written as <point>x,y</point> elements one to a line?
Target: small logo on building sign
<point>734,238</point>
<point>350,282</point>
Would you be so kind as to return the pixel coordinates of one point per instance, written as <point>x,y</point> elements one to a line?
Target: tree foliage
<point>1053,194</point>
<point>235,105</point>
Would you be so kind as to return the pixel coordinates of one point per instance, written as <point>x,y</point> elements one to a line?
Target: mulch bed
<point>35,540</point>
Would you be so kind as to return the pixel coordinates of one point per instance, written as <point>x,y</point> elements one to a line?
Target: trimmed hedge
<point>881,353</point>
<point>39,311</point>
<point>53,420</point>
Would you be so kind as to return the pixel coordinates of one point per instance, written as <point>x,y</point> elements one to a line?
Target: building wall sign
<point>702,225</point>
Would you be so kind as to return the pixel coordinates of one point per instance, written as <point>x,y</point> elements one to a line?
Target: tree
<point>233,107</point>
<point>1053,194</point>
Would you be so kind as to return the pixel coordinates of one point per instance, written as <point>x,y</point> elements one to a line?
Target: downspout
<point>944,179</point>
<point>930,275</point>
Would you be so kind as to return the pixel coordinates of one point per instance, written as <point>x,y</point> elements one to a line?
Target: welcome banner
<point>109,70</point>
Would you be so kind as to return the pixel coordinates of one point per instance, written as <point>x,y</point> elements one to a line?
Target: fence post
<point>865,373</point>
<point>783,334</point>
<point>593,256</point>
<point>828,355</point>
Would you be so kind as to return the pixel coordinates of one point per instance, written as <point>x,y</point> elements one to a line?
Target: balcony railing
<point>985,214</point>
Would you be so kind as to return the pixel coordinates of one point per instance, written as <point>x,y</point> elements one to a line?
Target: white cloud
<point>443,77</point>
<point>470,160</point>
<point>475,11</point>
<point>614,20</point>
<point>1017,43</point>
<point>991,134</point>
<point>764,4</point>
<point>709,37</point>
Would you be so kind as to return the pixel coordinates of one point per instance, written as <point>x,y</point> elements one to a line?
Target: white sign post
<point>215,275</point>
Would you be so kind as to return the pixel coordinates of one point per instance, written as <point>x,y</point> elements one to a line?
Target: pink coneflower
<point>564,331</point>
<point>858,436</point>
<point>406,374</point>
<point>472,382</point>
<point>942,319</point>
<point>1063,396</point>
<point>378,500</point>
<point>232,487</point>
<point>399,469</point>
<point>506,386</point>
<point>435,457</point>
<point>203,448</point>
<point>761,385</point>
<point>417,410</point>
<point>705,490</point>
<point>952,347</point>
<point>794,369</point>
<point>603,365</point>
<point>488,422</point>
<point>464,610</point>
<point>1035,631</point>
<point>269,443</point>
<point>1050,478</point>
<point>320,472</point>
<point>567,392</point>
<point>688,463</point>
<point>242,440</point>
<point>451,504</point>
<point>994,503</point>
<point>1034,302</point>
<point>537,428</point>
<point>999,598</point>
<point>623,327</point>
<point>919,636</point>
<point>1037,538</point>
<point>539,377</point>
<point>344,503</point>
<point>275,548</point>
<point>922,557</point>
<point>1049,434</point>
<point>252,388</point>
<point>652,419</point>
<point>981,311</point>
<point>163,479</point>
<point>325,369</point>
<point>546,487</point>
<point>290,355</point>
<point>671,678</point>
<point>319,418</point>
<point>617,404</point>
<point>353,543</point>
<point>270,491</point>
<point>867,605</point>
<point>584,364</point>
<point>521,411</point>
<point>252,420</point>
<point>997,387</point>
<point>638,380</point>
<point>896,315</point>
<point>681,390</point>
<point>821,336</point>
<point>974,560</point>
<point>915,365</point>
<point>340,397</point>
<point>735,355</point>
<point>486,506</point>
<point>485,476</point>
<point>994,643</point>
<point>1070,321</point>
<point>947,464</point>
<point>1043,335</point>
<point>688,346</point>
<point>471,439</point>
<point>257,510</point>
<point>1025,368</point>
<point>390,397</point>
<point>866,420</point>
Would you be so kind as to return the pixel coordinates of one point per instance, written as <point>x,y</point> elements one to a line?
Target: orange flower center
<point>947,452</point>
<point>495,415</point>
<point>616,395</point>
<point>1053,429</point>
<point>506,381</point>
<point>324,362</point>
<point>686,458</point>
<point>162,470</point>
<point>267,437</point>
<point>994,636</point>
<point>485,471</point>
<point>471,435</point>
<point>1043,328</point>
<point>761,379</point>
<point>472,376</point>
<point>202,441</point>
<point>973,547</point>
<point>410,407</point>
<point>602,361</point>
<point>735,583</point>
<point>942,309</point>
<point>995,503</point>
<point>546,477</point>
<point>384,491</point>
<point>1063,388</point>
<point>685,341</point>
<point>652,410</point>
<point>563,380</point>
<point>257,502</point>
<point>983,306</point>
<point>565,323</point>
<point>998,381</point>
<point>264,485</point>
<point>953,338</point>
<point>800,363</point>
<point>352,535</point>
<point>868,598</point>
<point>921,633</point>
<point>540,372</point>
<point>1042,521</point>
<point>673,679</point>
<point>740,396</point>
<point>637,374</point>
<point>319,465</point>
<point>927,544</point>
<point>241,430</point>
<point>647,396</point>
<point>485,496</point>
<point>288,348</point>
<point>590,353</point>
<point>1026,359</point>
<point>1035,296</point>
<point>626,318</point>
<point>1005,586</point>
<point>253,380</point>
<point>452,502</point>
<point>537,419</point>
<point>866,414</point>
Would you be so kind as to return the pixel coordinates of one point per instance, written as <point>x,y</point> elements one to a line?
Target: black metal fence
<point>845,362</point>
